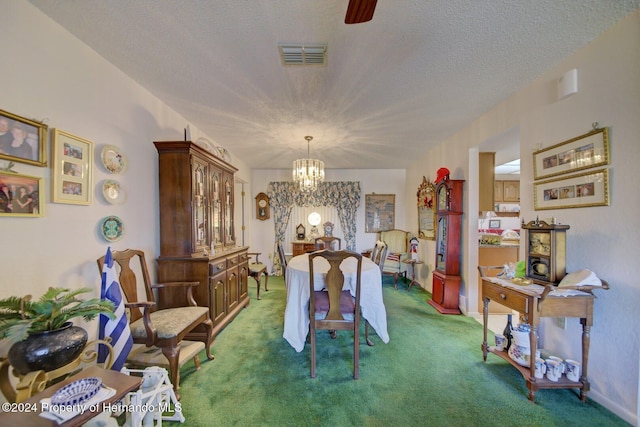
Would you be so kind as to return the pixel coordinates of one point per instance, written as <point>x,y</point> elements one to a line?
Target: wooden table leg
<point>485,317</point>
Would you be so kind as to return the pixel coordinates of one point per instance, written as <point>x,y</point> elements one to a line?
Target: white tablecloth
<point>296,314</point>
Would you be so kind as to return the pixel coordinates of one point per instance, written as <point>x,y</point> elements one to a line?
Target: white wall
<point>55,78</point>
<point>603,239</point>
<point>386,181</point>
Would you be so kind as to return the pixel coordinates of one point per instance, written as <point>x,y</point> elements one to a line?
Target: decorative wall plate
<point>113,192</point>
<point>112,228</point>
<point>77,392</point>
<point>113,160</point>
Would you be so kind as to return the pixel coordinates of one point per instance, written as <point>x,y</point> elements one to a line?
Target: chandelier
<point>308,173</point>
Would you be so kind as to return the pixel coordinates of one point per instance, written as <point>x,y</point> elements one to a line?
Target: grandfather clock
<point>446,276</point>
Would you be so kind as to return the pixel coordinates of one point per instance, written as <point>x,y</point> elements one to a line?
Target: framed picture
<point>494,223</point>
<point>426,210</point>
<point>22,140</point>
<point>380,212</point>
<point>583,152</point>
<point>72,169</point>
<point>576,191</point>
<point>20,195</point>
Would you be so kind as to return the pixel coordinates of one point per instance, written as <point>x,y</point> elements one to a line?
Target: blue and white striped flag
<point>118,328</point>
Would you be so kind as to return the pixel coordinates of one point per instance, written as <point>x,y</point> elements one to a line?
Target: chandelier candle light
<point>308,173</point>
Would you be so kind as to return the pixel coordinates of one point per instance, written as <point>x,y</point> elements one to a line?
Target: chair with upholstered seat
<point>257,270</point>
<point>379,253</point>
<point>398,250</point>
<point>331,243</point>
<point>165,328</point>
<point>334,308</point>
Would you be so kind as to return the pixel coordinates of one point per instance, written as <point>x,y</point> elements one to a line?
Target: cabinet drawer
<point>243,257</point>
<point>216,267</point>
<point>232,261</point>
<point>505,296</point>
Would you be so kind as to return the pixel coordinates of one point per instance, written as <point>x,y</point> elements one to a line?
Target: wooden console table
<point>302,247</point>
<point>534,302</point>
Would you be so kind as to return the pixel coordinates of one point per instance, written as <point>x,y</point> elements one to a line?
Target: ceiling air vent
<point>296,54</point>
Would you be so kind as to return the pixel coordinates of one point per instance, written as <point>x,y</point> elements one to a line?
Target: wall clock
<point>262,206</point>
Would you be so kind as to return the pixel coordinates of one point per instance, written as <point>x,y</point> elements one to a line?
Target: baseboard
<point>613,407</point>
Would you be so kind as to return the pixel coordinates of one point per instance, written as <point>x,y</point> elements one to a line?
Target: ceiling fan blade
<point>360,11</point>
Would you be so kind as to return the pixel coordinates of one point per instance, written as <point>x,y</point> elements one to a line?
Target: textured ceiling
<point>411,77</point>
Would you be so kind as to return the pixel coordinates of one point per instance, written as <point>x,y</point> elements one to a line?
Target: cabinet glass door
<point>229,232</point>
<point>200,227</point>
<point>216,209</point>
<point>441,245</point>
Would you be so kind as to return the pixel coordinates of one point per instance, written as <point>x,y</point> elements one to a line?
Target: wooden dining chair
<point>333,308</point>
<point>258,269</point>
<point>166,328</point>
<point>283,258</point>
<point>379,253</point>
<point>331,243</point>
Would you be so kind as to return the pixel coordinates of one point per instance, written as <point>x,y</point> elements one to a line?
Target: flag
<point>118,328</point>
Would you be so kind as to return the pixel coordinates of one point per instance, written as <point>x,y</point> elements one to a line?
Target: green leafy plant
<point>20,317</point>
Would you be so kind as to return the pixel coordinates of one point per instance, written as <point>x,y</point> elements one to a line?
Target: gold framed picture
<point>380,212</point>
<point>583,152</point>
<point>72,169</point>
<point>575,191</point>
<point>20,195</point>
<point>22,140</point>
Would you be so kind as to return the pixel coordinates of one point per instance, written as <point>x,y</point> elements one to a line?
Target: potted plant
<point>41,332</point>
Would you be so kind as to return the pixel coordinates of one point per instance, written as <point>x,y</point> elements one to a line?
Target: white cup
<point>554,371</point>
<point>541,368</point>
<point>501,341</point>
<point>573,370</point>
<point>560,362</point>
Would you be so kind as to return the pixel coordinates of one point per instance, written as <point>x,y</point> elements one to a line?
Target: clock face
<point>442,198</point>
<point>262,203</point>
<point>540,244</point>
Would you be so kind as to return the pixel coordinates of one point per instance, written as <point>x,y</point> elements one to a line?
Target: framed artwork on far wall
<point>380,212</point>
<point>20,195</point>
<point>72,169</point>
<point>22,140</point>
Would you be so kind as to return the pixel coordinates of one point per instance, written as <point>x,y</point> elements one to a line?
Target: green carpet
<point>431,373</point>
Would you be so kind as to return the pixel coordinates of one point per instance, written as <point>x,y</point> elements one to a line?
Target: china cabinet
<point>446,276</point>
<point>197,234</point>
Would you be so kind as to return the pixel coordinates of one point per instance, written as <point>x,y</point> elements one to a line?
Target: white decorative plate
<point>112,228</point>
<point>113,159</point>
<point>113,192</point>
<point>77,392</point>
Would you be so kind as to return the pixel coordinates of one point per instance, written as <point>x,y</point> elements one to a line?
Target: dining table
<point>296,314</point>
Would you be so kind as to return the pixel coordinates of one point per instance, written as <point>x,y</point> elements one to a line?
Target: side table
<point>122,383</point>
<point>413,263</point>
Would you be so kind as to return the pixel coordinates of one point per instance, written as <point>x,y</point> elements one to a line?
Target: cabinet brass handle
<point>503,296</point>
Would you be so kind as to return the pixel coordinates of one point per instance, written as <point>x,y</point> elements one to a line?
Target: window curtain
<point>343,195</point>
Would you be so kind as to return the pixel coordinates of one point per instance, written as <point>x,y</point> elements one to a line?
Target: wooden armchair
<point>165,328</point>
<point>398,250</point>
<point>331,243</point>
<point>257,270</point>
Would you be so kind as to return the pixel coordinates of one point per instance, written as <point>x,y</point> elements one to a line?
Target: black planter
<point>48,350</point>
